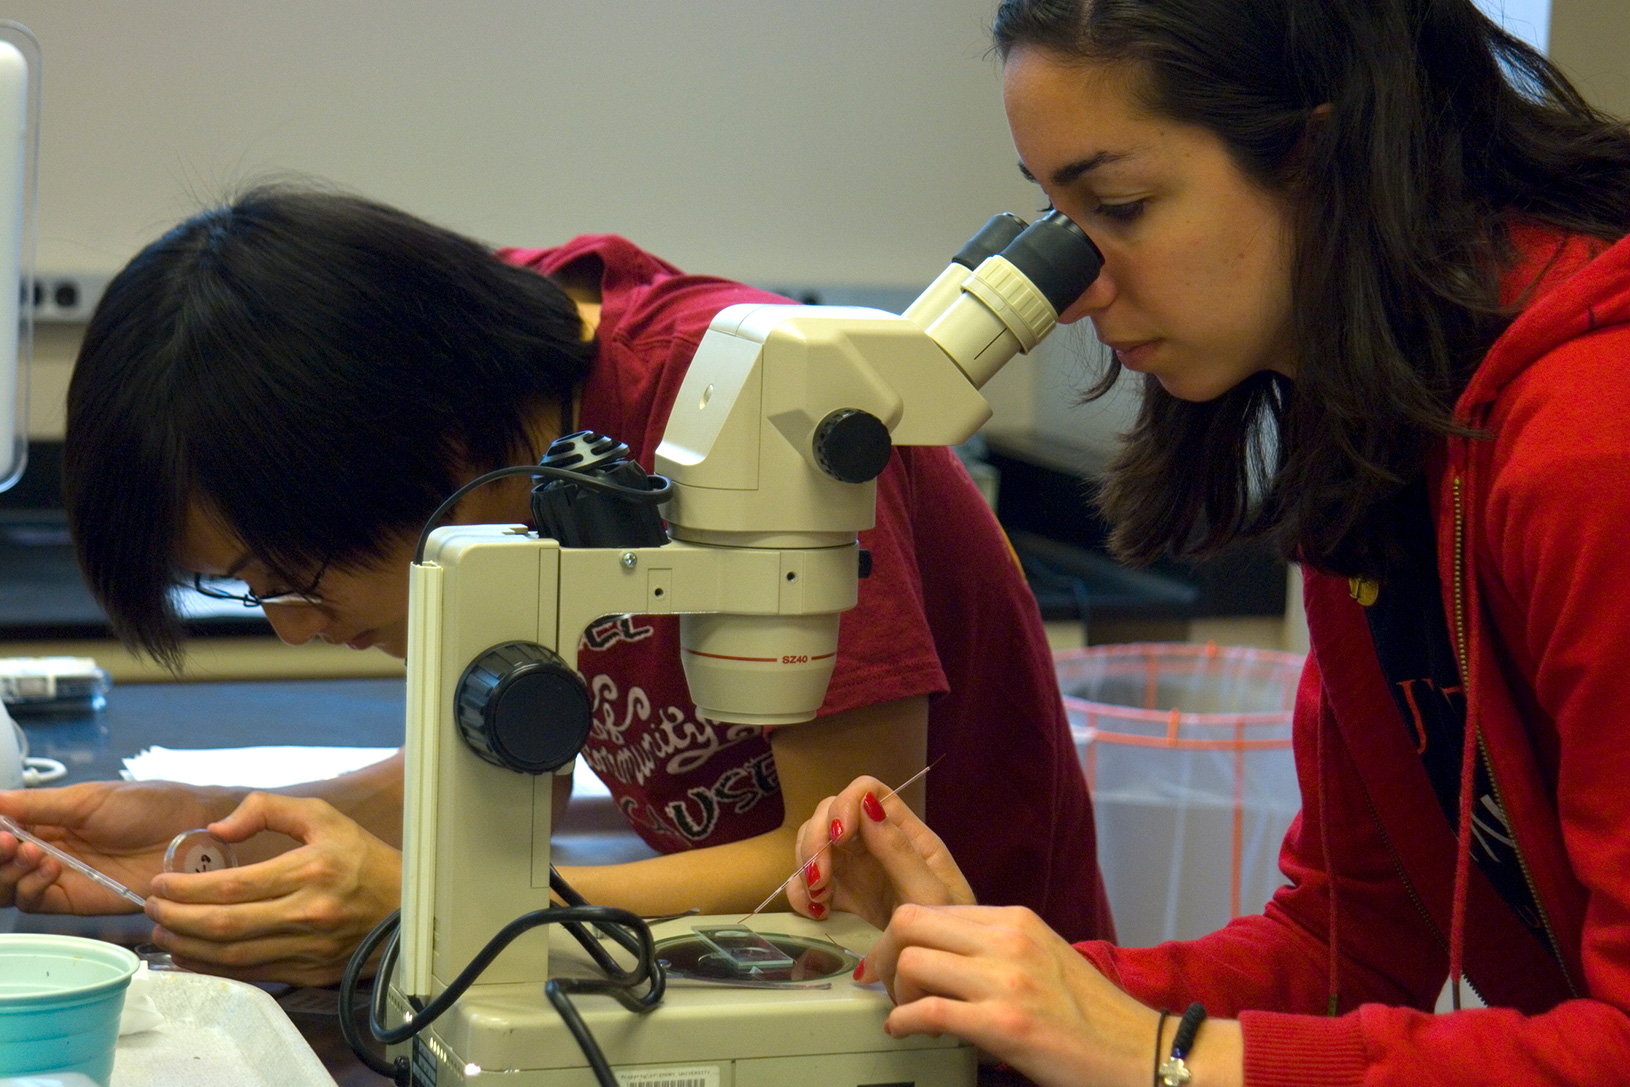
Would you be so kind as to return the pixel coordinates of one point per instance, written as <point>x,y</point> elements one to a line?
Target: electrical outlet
<point>67,297</point>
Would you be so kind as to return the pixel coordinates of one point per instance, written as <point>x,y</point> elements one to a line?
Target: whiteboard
<point>821,141</point>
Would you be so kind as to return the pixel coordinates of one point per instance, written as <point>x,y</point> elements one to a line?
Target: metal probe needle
<point>778,888</point>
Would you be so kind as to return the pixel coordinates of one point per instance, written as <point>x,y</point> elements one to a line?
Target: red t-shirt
<point>945,613</point>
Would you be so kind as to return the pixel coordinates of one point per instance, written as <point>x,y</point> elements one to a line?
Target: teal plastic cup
<point>60,1000</point>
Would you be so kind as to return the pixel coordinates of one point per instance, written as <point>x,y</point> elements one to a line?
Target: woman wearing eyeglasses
<point>281,390</point>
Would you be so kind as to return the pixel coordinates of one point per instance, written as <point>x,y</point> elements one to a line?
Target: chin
<point>1195,392</point>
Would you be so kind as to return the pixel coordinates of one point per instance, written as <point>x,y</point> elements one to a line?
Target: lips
<point>1131,352</point>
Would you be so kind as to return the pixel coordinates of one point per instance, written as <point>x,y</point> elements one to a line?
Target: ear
<point>1316,126</point>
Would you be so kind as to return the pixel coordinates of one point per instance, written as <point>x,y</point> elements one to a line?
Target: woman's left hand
<point>999,978</point>
<point>295,917</point>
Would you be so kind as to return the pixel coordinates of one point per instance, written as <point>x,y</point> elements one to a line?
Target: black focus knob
<point>852,446</point>
<point>521,707</point>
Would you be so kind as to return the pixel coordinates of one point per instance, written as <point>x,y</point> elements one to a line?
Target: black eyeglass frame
<point>306,598</point>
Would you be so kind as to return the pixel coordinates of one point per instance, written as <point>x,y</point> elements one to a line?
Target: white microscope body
<point>784,419</point>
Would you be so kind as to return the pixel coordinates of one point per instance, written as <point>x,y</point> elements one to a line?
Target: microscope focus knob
<point>852,446</point>
<point>521,707</point>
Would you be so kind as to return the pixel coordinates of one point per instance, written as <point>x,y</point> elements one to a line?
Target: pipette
<point>797,871</point>
<point>10,827</point>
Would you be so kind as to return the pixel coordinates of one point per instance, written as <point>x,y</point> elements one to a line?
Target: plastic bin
<point>1186,749</point>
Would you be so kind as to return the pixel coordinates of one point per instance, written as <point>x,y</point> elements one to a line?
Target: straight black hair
<point>316,369</point>
<point>1409,135</point>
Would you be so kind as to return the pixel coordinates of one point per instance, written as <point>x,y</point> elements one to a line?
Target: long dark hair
<point>1409,134</point>
<point>313,366</point>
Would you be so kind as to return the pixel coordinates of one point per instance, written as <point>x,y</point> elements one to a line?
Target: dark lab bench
<point>93,745</point>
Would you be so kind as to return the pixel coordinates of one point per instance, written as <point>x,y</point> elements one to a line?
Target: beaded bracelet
<point>1174,1073</point>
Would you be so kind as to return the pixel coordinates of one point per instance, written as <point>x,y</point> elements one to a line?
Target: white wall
<point>1529,20</point>
<point>1590,41</point>
<point>778,142</point>
<point>848,141</point>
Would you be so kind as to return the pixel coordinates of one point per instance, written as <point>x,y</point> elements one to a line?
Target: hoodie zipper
<point>1482,748</point>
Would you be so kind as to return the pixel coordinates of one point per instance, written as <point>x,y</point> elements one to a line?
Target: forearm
<point>372,796</point>
<point>722,879</point>
<point>813,761</point>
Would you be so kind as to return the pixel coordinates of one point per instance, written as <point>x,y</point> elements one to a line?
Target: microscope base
<point>702,1035</point>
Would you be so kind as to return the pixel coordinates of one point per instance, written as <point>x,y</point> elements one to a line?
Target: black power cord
<point>628,930</point>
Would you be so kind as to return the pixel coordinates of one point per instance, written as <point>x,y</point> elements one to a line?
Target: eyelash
<point>1115,213</point>
<point>1121,213</point>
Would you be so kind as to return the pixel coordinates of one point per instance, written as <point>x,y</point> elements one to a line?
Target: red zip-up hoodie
<point>1335,981</point>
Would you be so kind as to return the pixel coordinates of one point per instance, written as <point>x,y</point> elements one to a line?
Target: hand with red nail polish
<point>878,854</point>
<point>1000,979</point>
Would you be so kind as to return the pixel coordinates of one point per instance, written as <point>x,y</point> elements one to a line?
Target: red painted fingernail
<point>837,829</point>
<point>873,809</point>
<point>860,968</point>
<point>812,873</point>
<point>816,910</point>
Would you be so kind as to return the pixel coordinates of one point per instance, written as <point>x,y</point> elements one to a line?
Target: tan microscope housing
<point>762,563</point>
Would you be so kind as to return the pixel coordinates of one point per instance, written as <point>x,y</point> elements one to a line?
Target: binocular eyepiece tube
<point>1005,289</point>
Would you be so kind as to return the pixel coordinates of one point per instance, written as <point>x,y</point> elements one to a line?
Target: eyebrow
<point>1074,170</point>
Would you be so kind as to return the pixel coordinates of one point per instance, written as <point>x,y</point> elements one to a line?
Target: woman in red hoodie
<point>1370,257</point>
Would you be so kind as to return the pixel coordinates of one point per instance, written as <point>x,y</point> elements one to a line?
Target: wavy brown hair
<point>1408,135</point>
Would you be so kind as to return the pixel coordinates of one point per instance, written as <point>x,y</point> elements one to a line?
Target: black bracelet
<point>1174,1073</point>
<point>1160,1029</point>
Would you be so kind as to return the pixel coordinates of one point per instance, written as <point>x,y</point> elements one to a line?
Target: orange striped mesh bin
<point>1187,751</point>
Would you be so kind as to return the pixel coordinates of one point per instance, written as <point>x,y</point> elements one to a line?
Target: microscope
<point>786,416</point>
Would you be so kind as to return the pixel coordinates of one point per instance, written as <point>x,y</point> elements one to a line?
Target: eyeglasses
<point>217,588</point>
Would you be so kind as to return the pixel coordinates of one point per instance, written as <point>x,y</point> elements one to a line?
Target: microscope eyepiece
<point>1057,257</point>
<point>992,238</point>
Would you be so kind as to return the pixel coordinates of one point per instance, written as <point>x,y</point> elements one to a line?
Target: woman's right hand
<point>120,828</point>
<point>881,856</point>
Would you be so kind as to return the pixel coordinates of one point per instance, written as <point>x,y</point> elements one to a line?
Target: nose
<point>1092,301</point>
<point>296,624</point>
